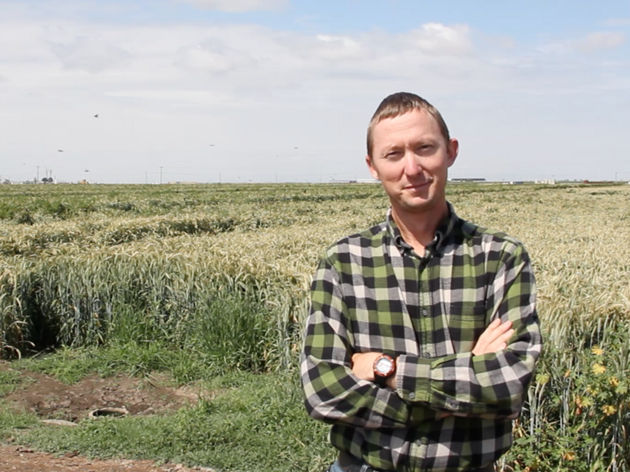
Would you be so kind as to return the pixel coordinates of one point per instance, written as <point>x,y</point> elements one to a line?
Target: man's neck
<point>418,228</point>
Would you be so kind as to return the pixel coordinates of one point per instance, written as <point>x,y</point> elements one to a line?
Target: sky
<point>149,91</point>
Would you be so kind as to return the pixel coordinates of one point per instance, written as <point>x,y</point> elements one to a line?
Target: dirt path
<point>22,459</point>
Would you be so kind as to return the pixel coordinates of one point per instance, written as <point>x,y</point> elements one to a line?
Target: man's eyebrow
<point>426,140</point>
<point>391,147</point>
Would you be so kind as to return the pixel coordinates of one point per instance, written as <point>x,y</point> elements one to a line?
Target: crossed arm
<point>494,339</point>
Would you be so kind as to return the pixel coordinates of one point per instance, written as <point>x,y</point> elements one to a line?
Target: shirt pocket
<point>466,322</point>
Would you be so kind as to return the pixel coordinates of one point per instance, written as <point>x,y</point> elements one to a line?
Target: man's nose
<point>412,164</point>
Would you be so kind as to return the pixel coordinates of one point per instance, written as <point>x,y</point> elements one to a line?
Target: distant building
<point>467,179</point>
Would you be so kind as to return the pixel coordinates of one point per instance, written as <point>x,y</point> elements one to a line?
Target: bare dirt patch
<point>51,399</point>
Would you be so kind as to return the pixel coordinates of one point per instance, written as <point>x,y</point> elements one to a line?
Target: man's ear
<point>453,151</point>
<point>368,161</point>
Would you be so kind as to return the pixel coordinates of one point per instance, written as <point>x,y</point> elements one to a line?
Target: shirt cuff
<point>413,378</point>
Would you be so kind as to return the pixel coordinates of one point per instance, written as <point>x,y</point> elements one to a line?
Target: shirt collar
<point>443,231</point>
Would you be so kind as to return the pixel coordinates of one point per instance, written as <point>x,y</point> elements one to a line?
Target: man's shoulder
<point>368,239</point>
<point>489,238</point>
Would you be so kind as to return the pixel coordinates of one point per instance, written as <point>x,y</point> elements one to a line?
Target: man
<point>423,335</point>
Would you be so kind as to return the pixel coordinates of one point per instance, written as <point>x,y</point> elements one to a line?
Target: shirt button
<point>412,395</point>
<point>426,355</point>
<point>425,312</point>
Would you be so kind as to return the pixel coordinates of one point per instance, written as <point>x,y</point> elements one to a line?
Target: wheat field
<point>225,269</point>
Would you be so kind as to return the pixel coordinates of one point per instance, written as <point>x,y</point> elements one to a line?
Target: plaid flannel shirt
<point>373,293</point>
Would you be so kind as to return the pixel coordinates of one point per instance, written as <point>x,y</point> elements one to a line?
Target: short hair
<point>398,104</point>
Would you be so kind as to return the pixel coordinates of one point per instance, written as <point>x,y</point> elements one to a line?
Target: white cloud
<point>504,42</point>
<point>592,42</point>
<point>617,22</point>
<point>600,40</point>
<point>252,90</point>
<point>560,47</point>
<point>436,38</point>
<point>262,65</point>
<point>192,97</point>
<point>338,47</point>
<point>89,54</point>
<point>211,56</point>
<point>239,5</point>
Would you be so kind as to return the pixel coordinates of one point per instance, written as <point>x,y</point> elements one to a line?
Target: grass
<point>252,422</point>
<point>14,423</point>
<point>9,381</point>
<point>129,358</point>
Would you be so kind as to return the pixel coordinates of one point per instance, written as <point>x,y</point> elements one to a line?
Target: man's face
<point>410,157</point>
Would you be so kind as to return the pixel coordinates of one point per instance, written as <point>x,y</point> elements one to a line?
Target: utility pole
<point>37,173</point>
<point>161,167</point>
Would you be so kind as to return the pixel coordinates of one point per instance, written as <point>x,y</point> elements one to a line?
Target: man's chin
<point>417,206</point>
<point>420,205</point>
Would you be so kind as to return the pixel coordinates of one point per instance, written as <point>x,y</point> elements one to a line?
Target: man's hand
<point>363,365</point>
<point>494,338</point>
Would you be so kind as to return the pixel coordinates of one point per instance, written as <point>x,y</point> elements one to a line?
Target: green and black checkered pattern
<point>372,293</point>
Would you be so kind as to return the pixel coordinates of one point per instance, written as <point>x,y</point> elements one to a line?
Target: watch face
<point>384,366</point>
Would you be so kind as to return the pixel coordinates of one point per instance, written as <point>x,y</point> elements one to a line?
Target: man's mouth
<point>417,186</point>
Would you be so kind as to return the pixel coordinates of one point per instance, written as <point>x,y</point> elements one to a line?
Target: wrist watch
<point>384,367</point>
